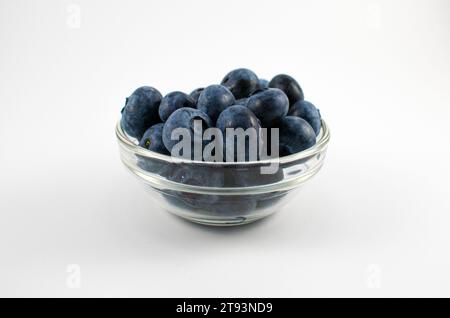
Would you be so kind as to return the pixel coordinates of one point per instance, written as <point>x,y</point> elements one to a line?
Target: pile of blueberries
<point>242,100</point>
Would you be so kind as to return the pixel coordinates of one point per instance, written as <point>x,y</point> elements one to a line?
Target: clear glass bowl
<point>247,195</point>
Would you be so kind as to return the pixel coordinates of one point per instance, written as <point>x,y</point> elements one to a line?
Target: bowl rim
<point>322,142</point>
<point>160,183</point>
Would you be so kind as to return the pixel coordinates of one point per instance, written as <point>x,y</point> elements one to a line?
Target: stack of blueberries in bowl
<point>227,154</point>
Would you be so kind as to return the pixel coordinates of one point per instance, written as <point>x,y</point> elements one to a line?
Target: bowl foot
<point>221,222</point>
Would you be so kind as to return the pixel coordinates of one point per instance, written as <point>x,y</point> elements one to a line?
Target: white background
<point>374,222</point>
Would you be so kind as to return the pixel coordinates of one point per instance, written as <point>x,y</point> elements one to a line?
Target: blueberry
<point>263,83</point>
<point>141,111</point>
<point>214,99</point>
<point>197,176</point>
<point>259,90</point>
<point>269,105</point>
<point>241,82</point>
<point>239,116</point>
<point>242,101</point>
<point>152,165</point>
<point>251,176</point>
<point>295,135</point>
<point>152,139</point>
<point>184,118</point>
<point>289,86</point>
<point>195,94</point>
<point>234,205</point>
<point>173,101</point>
<point>308,112</point>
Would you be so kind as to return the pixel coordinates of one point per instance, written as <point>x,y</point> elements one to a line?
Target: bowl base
<point>222,222</point>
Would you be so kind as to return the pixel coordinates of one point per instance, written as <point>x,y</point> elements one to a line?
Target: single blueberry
<point>308,112</point>
<point>263,83</point>
<point>269,105</point>
<point>152,139</point>
<point>173,101</point>
<point>141,111</point>
<point>185,118</point>
<point>239,116</point>
<point>289,86</point>
<point>241,82</point>
<point>214,99</point>
<point>195,94</point>
<point>295,135</point>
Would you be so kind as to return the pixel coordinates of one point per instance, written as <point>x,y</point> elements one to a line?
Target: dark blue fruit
<point>241,82</point>
<point>239,116</point>
<point>213,204</point>
<point>152,139</point>
<point>252,176</point>
<point>259,90</point>
<point>289,86</point>
<point>242,101</point>
<point>234,205</point>
<point>269,105</point>
<point>185,118</point>
<point>141,111</point>
<point>308,112</point>
<point>153,165</point>
<point>173,101</point>
<point>263,83</point>
<point>295,135</point>
<point>197,176</point>
<point>195,94</point>
<point>214,99</point>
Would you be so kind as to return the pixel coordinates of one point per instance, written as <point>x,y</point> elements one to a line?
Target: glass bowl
<point>221,193</point>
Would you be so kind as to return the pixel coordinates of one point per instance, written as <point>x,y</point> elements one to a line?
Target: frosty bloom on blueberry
<point>195,94</point>
<point>263,83</point>
<point>173,101</point>
<point>308,112</point>
<point>214,99</point>
<point>295,135</point>
<point>269,105</point>
<point>289,86</point>
<point>141,111</point>
<point>152,139</point>
<point>241,82</point>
